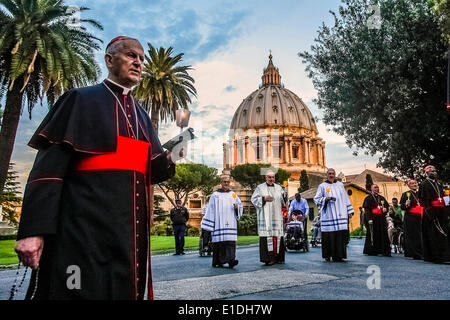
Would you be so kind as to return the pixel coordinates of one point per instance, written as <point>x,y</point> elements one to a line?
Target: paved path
<point>303,276</point>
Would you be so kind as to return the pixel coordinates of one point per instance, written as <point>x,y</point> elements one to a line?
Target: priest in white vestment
<point>336,209</point>
<point>224,210</point>
<point>268,198</point>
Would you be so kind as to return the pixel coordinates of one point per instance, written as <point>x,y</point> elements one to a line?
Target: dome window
<point>258,109</point>
<point>275,109</point>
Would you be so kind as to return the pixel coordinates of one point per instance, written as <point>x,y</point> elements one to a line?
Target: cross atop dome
<point>271,75</point>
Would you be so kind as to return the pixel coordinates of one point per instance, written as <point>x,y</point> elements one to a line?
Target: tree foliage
<point>369,182</point>
<point>384,89</point>
<point>304,181</point>
<point>159,213</point>
<point>442,9</point>
<point>11,196</point>
<point>251,174</point>
<point>39,46</point>
<point>190,178</point>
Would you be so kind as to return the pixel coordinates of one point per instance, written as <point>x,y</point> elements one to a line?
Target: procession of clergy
<point>425,210</point>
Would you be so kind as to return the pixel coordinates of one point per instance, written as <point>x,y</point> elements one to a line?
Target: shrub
<point>247,225</point>
<point>358,232</point>
<point>193,231</point>
<point>162,228</point>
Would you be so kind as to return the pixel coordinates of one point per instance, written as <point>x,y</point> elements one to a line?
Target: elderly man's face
<point>331,175</point>
<point>270,178</point>
<point>126,64</point>
<point>412,184</point>
<point>225,184</point>
<point>375,189</point>
<point>431,173</point>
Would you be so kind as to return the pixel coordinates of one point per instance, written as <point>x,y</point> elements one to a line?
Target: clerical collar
<point>118,88</point>
<point>223,190</point>
<point>270,185</point>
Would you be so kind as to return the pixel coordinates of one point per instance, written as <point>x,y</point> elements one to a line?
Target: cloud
<point>230,88</point>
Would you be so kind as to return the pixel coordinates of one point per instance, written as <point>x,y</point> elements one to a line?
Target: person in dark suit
<point>179,216</point>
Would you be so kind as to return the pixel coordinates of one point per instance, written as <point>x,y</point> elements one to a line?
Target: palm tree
<point>164,87</point>
<point>40,54</point>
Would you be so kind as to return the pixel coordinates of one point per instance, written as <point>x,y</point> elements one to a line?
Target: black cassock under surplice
<point>94,222</point>
<point>378,242</point>
<point>435,229</point>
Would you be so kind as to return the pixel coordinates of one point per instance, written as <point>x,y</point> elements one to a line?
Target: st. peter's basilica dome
<point>273,125</point>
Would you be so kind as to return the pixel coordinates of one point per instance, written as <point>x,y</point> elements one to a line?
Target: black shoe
<point>176,254</point>
<point>182,253</point>
<point>218,265</point>
<point>233,263</point>
<point>327,259</point>
<point>271,263</point>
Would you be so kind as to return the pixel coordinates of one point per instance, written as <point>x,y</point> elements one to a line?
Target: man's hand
<point>408,203</point>
<point>384,210</point>
<point>268,198</point>
<point>29,251</point>
<point>370,222</point>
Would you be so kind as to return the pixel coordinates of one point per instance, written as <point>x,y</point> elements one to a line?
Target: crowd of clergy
<point>422,215</point>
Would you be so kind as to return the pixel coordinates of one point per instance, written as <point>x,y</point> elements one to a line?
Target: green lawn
<point>159,245</point>
<point>162,244</point>
<point>7,253</point>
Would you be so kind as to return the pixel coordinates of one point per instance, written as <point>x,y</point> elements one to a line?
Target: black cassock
<point>87,195</point>
<point>434,222</point>
<point>412,225</point>
<point>379,242</point>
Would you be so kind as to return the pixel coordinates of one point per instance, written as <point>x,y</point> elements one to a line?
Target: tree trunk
<point>8,131</point>
<point>155,120</point>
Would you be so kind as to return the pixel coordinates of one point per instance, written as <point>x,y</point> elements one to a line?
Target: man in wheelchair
<point>295,232</point>
<point>294,228</point>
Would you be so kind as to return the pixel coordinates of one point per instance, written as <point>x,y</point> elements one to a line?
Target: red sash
<point>416,210</point>
<point>131,154</point>
<point>377,211</point>
<point>437,203</point>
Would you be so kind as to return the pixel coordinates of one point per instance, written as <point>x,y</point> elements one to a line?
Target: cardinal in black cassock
<point>435,231</point>
<point>412,224</point>
<point>375,209</point>
<point>86,200</point>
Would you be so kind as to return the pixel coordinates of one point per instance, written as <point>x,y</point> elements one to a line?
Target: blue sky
<point>227,43</point>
